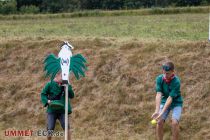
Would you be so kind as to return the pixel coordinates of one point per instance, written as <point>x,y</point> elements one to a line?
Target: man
<point>168,98</point>
<point>54,92</point>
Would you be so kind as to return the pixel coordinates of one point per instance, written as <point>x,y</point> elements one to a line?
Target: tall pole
<point>65,54</point>
<point>66,111</point>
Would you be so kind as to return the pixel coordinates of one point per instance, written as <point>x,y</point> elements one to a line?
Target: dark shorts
<point>51,120</point>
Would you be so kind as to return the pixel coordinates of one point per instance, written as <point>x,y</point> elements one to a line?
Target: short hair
<point>168,66</point>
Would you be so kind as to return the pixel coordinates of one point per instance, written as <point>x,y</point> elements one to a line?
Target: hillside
<point>116,98</point>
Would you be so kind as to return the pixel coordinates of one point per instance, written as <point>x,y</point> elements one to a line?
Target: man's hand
<point>48,102</point>
<point>166,106</point>
<point>155,115</point>
<point>157,105</point>
<point>159,116</point>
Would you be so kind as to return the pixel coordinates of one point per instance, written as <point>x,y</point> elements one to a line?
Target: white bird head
<point>65,50</point>
<point>65,54</point>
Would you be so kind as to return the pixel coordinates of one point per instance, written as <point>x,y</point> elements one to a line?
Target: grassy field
<point>169,27</point>
<point>124,53</point>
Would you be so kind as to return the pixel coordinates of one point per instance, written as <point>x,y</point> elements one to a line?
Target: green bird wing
<point>77,65</point>
<point>51,66</point>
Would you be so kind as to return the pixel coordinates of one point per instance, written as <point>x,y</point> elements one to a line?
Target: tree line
<point>56,6</point>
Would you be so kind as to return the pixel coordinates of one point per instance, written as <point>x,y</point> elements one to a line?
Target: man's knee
<point>174,123</point>
<point>160,123</point>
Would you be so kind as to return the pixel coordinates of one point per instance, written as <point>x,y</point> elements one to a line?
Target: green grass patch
<point>169,27</point>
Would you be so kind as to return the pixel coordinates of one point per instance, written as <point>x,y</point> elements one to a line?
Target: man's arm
<point>157,101</point>
<point>157,104</point>
<point>166,106</point>
<point>44,98</point>
<point>158,96</point>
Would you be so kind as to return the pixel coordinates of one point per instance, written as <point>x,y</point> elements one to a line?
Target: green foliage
<point>21,3</point>
<point>57,6</point>
<point>29,9</point>
<point>8,7</point>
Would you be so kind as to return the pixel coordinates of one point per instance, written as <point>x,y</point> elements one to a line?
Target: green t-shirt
<point>172,89</point>
<point>52,89</point>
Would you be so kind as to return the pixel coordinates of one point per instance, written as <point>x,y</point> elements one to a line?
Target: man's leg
<point>175,129</point>
<point>51,119</point>
<point>49,137</point>
<point>62,122</point>
<point>176,115</point>
<point>159,130</point>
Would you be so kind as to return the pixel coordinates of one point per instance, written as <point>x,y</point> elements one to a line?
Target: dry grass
<point>116,99</point>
